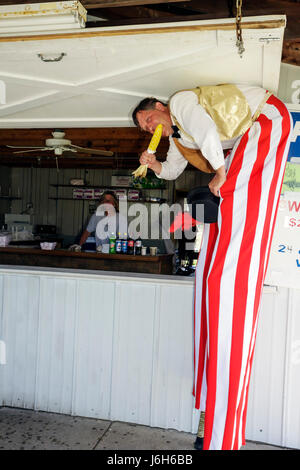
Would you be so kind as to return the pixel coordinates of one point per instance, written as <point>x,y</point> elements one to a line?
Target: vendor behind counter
<point>107,213</point>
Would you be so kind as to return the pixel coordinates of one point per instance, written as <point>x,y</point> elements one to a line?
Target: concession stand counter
<point>159,264</point>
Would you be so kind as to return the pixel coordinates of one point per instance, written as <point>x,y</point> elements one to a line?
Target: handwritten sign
<point>284,263</point>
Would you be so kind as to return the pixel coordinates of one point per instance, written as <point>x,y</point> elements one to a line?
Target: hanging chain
<point>239,39</point>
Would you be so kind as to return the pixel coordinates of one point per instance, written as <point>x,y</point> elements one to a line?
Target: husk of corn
<point>141,171</point>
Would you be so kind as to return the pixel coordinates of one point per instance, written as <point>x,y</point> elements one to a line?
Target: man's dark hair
<point>145,105</point>
<point>115,199</point>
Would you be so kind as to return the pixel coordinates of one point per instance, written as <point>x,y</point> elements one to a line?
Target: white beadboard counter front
<point>87,273</point>
<point>119,346</point>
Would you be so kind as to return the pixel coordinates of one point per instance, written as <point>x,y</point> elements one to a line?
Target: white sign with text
<point>284,263</point>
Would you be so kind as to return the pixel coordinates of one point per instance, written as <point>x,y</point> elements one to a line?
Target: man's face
<point>149,119</point>
<point>108,205</point>
<point>108,199</point>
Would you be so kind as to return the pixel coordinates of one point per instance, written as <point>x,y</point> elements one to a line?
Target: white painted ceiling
<point>103,76</point>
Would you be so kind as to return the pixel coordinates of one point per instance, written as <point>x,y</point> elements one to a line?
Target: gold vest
<point>230,111</point>
<point>228,108</point>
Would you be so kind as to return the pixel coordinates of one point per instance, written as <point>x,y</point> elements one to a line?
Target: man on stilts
<point>233,258</point>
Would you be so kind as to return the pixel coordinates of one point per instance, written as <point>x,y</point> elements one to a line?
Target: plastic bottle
<point>119,244</point>
<point>112,244</point>
<point>130,248</point>
<point>124,244</point>
<point>138,246</point>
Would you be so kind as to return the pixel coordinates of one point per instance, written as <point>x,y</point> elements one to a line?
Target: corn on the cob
<point>142,169</point>
<point>155,139</point>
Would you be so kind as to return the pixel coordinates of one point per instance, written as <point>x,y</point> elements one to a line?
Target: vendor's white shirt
<point>196,122</point>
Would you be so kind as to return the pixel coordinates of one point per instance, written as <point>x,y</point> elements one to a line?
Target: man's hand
<point>150,160</point>
<point>147,159</point>
<point>217,181</point>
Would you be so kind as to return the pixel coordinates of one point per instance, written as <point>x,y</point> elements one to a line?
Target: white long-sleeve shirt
<point>196,122</point>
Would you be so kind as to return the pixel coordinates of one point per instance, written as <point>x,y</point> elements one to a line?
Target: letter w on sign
<point>294,206</point>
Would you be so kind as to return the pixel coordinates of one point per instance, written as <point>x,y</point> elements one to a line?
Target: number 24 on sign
<point>288,249</point>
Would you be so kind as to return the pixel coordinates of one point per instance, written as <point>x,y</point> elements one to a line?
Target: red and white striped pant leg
<point>274,194</point>
<point>200,315</point>
<point>209,237</point>
<point>237,268</point>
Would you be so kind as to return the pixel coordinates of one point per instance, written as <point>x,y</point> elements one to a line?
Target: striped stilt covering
<point>230,273</point>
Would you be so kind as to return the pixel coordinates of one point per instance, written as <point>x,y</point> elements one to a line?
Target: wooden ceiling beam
<point>78,136</point>
<point>121,141</point>
<point>74,133</point>
<point>120,147</point>
<point>186,10</point>
<point>139,12</point>
<point>89,4</point>
<point>132,15</point>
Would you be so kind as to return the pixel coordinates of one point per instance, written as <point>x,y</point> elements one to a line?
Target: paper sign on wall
<point>284,263</point>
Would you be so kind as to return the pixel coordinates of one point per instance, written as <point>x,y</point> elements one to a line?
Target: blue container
<point>124,246</point>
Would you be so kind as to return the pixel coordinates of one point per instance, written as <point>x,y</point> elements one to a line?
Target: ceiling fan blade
<point>39,149</point>
<point>104,153</point>
<point>22,147</point>
<point>68,149</point>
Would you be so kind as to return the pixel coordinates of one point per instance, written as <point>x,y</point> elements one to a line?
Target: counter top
<point>90,274</point>
<point>159,264</point>
<point>81,254</point>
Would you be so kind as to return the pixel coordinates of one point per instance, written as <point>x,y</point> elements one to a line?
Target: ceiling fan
<point>59,145</point>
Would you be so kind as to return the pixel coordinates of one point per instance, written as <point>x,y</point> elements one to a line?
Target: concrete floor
<point>37,430</point>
